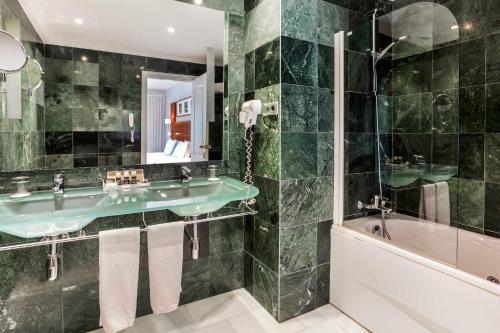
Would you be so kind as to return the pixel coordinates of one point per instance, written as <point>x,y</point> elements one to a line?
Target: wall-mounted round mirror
<point>32,77</point>
<point>12,54</point>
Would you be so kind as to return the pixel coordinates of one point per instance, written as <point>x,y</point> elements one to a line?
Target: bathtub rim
<point>419,259</point>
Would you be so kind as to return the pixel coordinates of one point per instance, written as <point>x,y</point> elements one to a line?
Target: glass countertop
<point>45,214</point>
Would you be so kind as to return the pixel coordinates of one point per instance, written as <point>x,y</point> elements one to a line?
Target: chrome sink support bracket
<point>81,236</point>
<point>195,241</point>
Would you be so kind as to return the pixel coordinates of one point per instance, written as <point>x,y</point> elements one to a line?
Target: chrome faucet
<point>185,175</point>
<point>378,203</point>
<point>384,206</point>
<point>58,184</point>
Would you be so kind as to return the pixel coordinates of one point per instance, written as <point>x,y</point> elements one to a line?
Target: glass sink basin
<point>43,214</point>
<point>440,173</point>
<point>402,175</point>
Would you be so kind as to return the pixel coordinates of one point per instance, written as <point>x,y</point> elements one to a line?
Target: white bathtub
<point>389,288</point>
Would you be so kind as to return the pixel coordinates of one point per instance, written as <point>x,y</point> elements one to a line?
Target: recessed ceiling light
<point>468,26</point>
<point>84,58</point>
<point>171,30</point>
<point>198,2</point>
<point>78,21</point>
<point>454,27</point>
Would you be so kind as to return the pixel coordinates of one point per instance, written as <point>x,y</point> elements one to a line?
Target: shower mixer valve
<point>377,203</point>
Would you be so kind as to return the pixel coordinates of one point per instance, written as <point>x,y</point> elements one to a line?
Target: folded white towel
<point>118,277</point>
<point>165,265</point>
<point>443,211</point>
<point>428,202</point>
<point>435,203</point>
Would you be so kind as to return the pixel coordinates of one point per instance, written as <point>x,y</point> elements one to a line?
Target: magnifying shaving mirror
<point>13,56</point>
<point>32,76</point>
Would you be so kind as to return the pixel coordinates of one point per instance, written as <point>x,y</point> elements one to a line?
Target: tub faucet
<point>378,203</point>
<point>58,184</point>
<point>185,175</point>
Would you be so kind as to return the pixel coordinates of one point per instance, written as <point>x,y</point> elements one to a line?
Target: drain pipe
<point>195,241</point>
<point>52,265</point>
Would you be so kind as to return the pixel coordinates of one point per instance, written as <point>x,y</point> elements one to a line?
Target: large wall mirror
<point>122,83</point>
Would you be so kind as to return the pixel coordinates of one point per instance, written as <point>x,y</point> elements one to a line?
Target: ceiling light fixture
<point>171,30</point>
<point>84,58</point>
<point>78,21</point>
<point>198,2</point>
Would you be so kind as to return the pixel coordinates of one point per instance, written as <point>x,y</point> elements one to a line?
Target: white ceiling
<point>130,26</point>
<point>161,84</point>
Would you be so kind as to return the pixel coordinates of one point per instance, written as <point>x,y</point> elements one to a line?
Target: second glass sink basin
<point>43,214</point>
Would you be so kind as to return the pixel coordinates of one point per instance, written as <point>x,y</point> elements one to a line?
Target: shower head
<point>384,51</point>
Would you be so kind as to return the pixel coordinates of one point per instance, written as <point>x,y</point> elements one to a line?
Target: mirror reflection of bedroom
<point>180,114</point>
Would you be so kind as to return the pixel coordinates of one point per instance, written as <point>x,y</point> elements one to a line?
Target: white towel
<point>428,202</point>
<point>165,265</point>
<point>435,203</point>
<point>118,277</point>
<point>443,211</point>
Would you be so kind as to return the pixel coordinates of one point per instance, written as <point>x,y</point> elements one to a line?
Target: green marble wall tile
<point>109,69</point>
<point>471,203</point>
<point>360,153</point>
<point>492,158</point>
<point>412,75</point>
<point>323,285</point>
<point>58,119</point>
<point>196,280</point>
<point>86,74</point>
<point>226,272</point>
<point>226,236</point>
<point>297,248</point>
<point>85,97</point>
<point>250,71</point>
<point>58,71</point>
<point>268,200</point>
<point>81,307</point>
<point>445,114</point>
<point>266,149</point>
<point>266,244</point>
<point>492,59</point>
<point>324,242</point>
<point>445,68</point>
<point>299,19</point>
<point>445,149</point>
<point>325,154</point>
<point>248,273</point>
<point>85,119</point>
<point>33,314</point>
<point>58,95</point>
<point>471,157</point>
<point>472,109</point>
<point>267,64</point>
<point>492,107</point>
<point>326,67</point>
<point>266,288</point>
<point>297,293</point>
<point>270,94</point>
<point>385,109</point>
<point>325,110</point>
<point>131,158</point>
<point>299,108</point>
<point>413,113</point>
<point>331,19</point>
<point>360,27</point>
<point>299,61</point>
<point>472,63</point>
<point>298,155</point>
<point>111,119</point>
<point>360,113</point>
<point>305,201</point>
<point>59,161</point>
<point>359,72</point>
<point>262,24</point>
<point>492,208</point>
